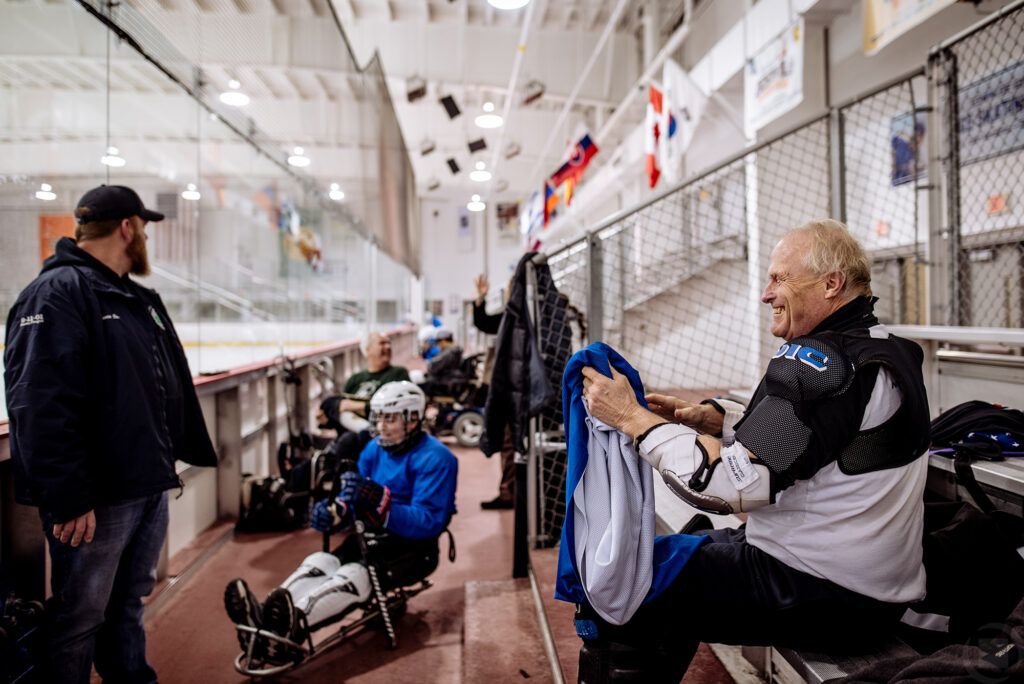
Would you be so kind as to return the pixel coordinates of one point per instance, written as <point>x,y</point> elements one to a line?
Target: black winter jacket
<point>519,385</point>
<point>94,371</point>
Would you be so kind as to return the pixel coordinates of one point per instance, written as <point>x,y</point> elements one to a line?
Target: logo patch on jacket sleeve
<point>808,368</point>
<point>34,319</point>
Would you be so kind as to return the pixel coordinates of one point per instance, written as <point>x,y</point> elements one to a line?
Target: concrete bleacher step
<point>502,639</point>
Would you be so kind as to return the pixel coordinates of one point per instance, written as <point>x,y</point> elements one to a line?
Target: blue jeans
<point>96,609</point>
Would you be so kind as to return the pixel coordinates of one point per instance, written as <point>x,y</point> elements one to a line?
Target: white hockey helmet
<point>401,398</point>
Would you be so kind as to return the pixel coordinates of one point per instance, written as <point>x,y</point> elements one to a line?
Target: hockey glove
<point>330,515</point>
<point>370,500</point>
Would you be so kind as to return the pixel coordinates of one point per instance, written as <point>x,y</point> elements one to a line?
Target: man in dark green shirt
<point>348,411</point>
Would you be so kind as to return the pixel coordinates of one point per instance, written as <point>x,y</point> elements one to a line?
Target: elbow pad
<point>353,422</point>
<point>732,484</point>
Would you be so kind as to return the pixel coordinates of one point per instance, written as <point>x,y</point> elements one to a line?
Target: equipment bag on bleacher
<point>975,573</point>
<point>979,422</point>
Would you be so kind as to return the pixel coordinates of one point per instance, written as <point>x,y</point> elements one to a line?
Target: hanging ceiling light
<point>190,193</point>
<point>45,192</point>
<point>336,193</point>
<point>113,157</point>
<point>480,175</point>
<point>508,4</point>
<point>298,158</point>
<point>489,119</point>
<point>475,204</point>
<point>233,96</point>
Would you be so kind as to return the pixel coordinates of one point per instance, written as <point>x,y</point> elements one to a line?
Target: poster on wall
<point>773,81</point>
<point>992,115</point>
<point>885,20</point>
<point>909,147</point>
<point>298,240</point>
<point>464,234</point>
<point>508,220</point>
<point>52,227</point>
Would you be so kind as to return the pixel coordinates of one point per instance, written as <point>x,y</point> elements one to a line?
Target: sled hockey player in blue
<point>404,491</point>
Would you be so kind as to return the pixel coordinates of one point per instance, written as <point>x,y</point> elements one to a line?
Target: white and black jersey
<point>841,420</point>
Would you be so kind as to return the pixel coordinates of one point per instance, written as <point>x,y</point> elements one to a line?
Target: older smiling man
<point>828,459</point>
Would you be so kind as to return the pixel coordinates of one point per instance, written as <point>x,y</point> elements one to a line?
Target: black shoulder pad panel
<point>808,368</point>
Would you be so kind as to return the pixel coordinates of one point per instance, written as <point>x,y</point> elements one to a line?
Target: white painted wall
<point>451,262</point>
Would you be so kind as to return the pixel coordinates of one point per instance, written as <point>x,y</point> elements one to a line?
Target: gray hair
<point>833,249</point>
<point>364,344</point>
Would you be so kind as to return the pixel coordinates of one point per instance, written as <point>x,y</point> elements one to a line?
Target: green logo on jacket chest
<point>156,318</point>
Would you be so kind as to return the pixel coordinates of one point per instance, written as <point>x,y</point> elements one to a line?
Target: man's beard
<point>138,255</point>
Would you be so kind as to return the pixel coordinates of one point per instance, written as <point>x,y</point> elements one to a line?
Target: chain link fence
<point>980,92</point>
<point>674,284</point>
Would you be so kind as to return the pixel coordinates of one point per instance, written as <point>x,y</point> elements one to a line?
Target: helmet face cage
<point>394,406</point>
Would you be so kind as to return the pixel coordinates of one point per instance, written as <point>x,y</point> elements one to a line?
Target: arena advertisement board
<point>885,20</point>
<point>992,115</point>
<point>773,81</point>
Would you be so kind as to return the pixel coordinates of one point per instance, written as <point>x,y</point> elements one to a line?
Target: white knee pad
<point>314,571</point>
<point>350,584</point>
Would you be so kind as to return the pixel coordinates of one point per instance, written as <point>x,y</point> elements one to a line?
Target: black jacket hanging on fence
<point>519,385</point>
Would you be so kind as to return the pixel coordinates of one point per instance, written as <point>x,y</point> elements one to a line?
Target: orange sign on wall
<point>52,227</point>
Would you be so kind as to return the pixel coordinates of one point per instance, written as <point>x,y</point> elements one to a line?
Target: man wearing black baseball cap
<point>101,404</point>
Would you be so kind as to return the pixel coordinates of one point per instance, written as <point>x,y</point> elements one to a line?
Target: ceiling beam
<point>346,12</point>
<point>294,83</point>
<point>259,77</point>
<point>321,81</point>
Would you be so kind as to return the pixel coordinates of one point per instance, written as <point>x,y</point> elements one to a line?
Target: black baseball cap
<point>114,202</point>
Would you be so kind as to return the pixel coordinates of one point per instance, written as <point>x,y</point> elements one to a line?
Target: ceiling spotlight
<point>45,192</point>
<point>507,4</point>
<point>336,193</point>
<point>453,165</point>
<point>113,158</point>
<point>480,176</point>
<point>234,97</point>
<point>298,158</point>
<point>475,204</point>
<point>427,146</point>
<point>477,145</point>
<point>488,119</point>
<point>190,193</point>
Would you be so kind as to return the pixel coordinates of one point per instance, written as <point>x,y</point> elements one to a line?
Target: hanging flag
<point>550,202</point>
<point>533,215</point>
<point>651,134</point>
<point>683,104</point>
<point>579,156</point>
<point>569,184</point>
